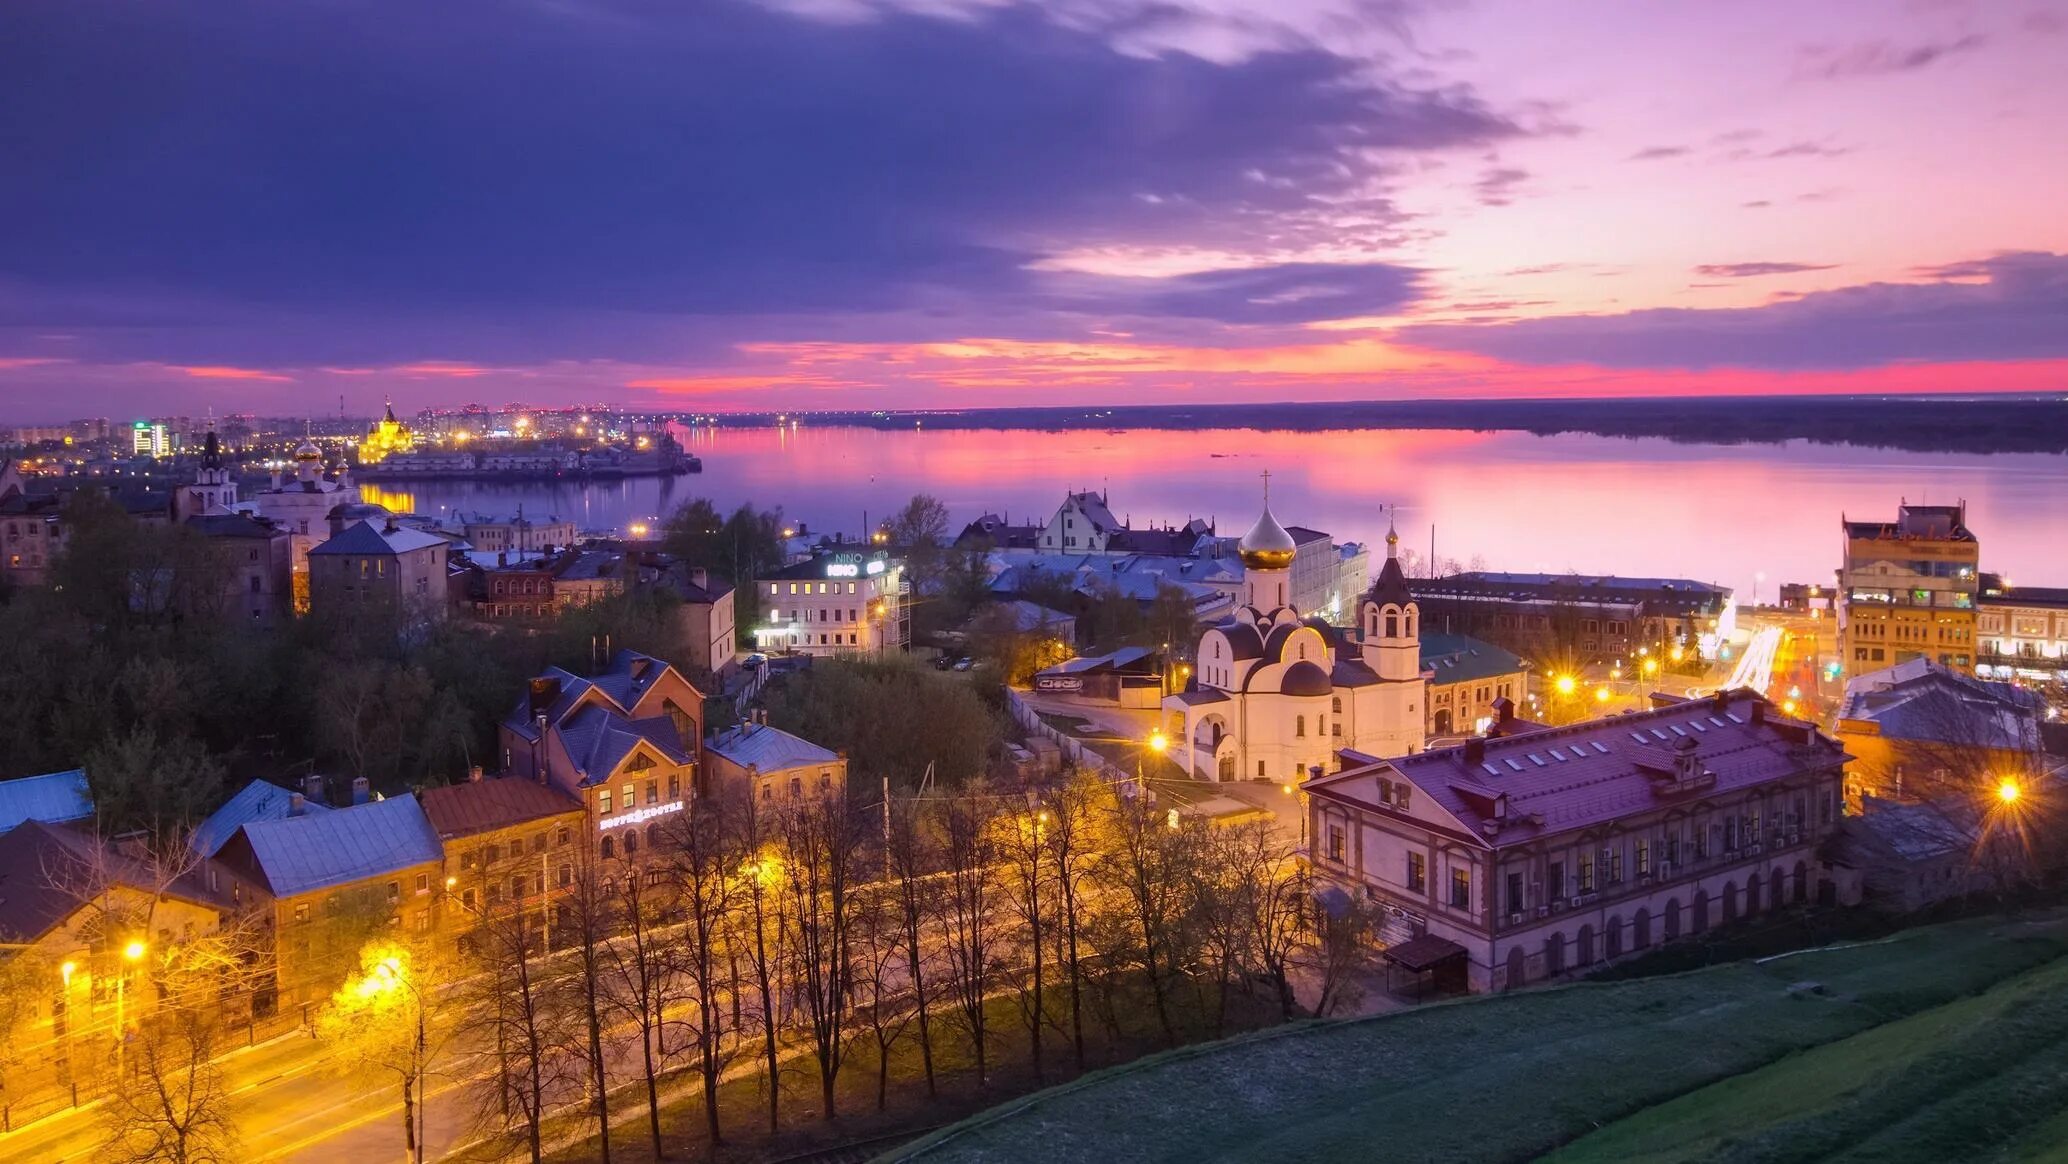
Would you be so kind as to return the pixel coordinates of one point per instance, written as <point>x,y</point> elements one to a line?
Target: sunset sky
<point>724,204</point>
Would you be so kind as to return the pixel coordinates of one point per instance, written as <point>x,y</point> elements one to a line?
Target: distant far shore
<point>1975,424</point>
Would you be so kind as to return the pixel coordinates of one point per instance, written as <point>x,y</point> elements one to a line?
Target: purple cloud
<point>1658,153</point>
<point>1879,57</point>
<point>1497,186</point>
<point>636,179</point>
<point>1753,270</point>
<point>2015,315</point>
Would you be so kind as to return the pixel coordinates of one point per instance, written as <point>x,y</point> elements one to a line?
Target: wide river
<point>1512,501</point>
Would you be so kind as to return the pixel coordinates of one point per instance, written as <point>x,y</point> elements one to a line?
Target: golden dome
<point>1266,546</point>
<point>308,452</point>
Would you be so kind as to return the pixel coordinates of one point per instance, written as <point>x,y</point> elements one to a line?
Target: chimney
<point>362,790</point>
<point>474,774</point>
<point>1475,750</point>
<point>1758,712</point>
<point>296,804</point>
<point>1504,710</point>
<point>312,787</point>
<point>1722,700</point>
<point>700,576</point>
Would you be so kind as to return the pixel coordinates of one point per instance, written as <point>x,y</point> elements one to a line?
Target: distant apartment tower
<point>1907,589</point>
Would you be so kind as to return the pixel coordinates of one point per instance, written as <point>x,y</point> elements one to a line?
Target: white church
<point>1275,695</point>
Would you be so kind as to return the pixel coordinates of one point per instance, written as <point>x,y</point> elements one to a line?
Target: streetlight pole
<point>132,953</point>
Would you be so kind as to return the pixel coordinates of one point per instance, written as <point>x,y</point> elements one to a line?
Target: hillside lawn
<point>1942,1043</point>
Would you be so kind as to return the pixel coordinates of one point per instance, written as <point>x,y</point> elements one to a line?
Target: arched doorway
<point>1752,888</point>
<point>1730,902</point>
<point>1775,895</point>
<point>1612,939</point>
<point>1672,918</point>
<point>1641,929</point>
<point>1801,882</point>
<point>1554,955</point>
<point>1586,947</point>
<point>1701,922</point>
<point>1443,722</point>
<point>1518,967</point>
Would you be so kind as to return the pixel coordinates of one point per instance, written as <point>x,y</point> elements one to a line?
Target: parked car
<point>964,663</point>
<point>755,661</point>
<point>943,662</point>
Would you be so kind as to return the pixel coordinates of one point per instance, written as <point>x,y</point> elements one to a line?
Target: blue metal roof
<point>769,749</point>
<point>53,797</point>
<point>301,853</point>
<point>257,800</point>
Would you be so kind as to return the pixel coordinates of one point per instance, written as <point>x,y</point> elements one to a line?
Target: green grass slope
<point>1511,1077</point>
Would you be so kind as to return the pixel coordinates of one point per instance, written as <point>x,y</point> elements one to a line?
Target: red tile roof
<point>458,810</point>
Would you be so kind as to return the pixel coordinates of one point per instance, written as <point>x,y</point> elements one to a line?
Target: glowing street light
<point>1565,685</point>
<point>1601,695</point>
<point>1158,742</point>
<point>2008,791</point>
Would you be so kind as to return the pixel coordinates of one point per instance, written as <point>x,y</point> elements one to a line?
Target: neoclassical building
<point>1275,695</point>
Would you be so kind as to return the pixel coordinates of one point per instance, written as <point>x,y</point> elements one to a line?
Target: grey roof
<point>233,525</point>
<point>1462,658</point>
<point>1085,664</point>
<point>598,740</point>
<point>52,797</point>
<point>1913,832</point>
<point>1558,780</point>
<point>302,853</point>
<point>1095,511</point>
<point>366,538</point>
<point>1920,700</point>
<point>257,800</point>
<point>768,749</point>
<point>1032,616</point>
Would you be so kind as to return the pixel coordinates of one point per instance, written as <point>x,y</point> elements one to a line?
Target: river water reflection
<point>1510,500</point>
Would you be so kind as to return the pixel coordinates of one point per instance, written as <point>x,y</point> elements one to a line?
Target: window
<point>1644,858</point>
<point>495,894</point>
<point>629,800</point>
<point>603,801</point>
<point>517,888</point>
<point>1514,893</point>
<point>1299,726</point>
<point>423,883</point>
<point>1554,879</point>
<point>1586,872</point>
<point>538,843</point>
<point>564,836</point>
<point>1613,858</point>
<point>566,875</point>
<point>1335,843</point>
<point>1460,887</point>
<point>394,892</point>
<point>301,911</point>
<point>467,859</point>
<point>1417,873</point>
<point>610,848</point>
<point>653,792</point>
<point>467,899</point>
<point>674,785</point>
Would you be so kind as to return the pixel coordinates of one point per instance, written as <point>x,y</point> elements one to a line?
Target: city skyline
<point>853,204</point>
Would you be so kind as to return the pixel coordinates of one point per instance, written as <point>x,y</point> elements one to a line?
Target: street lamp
<point>2008,791</point>
<point>132,953</point>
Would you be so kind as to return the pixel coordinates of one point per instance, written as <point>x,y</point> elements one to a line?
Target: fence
<point>1074,750</point>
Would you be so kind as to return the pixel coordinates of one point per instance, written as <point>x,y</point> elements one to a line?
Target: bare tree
<point>910,855</point>
<point>821,849</point>
<point>515,1022</point>
<point>1022,841</point>
<point>883,1005</point>
<point>1343,930</point>
<point>766,946</point>
<point>592,916</point>
<point>707,853</point>
<point>171,1103</point>
<point>969,914</point>
<point>640,974</point>
<point>1147,872</point>
<point>1071,850</point>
